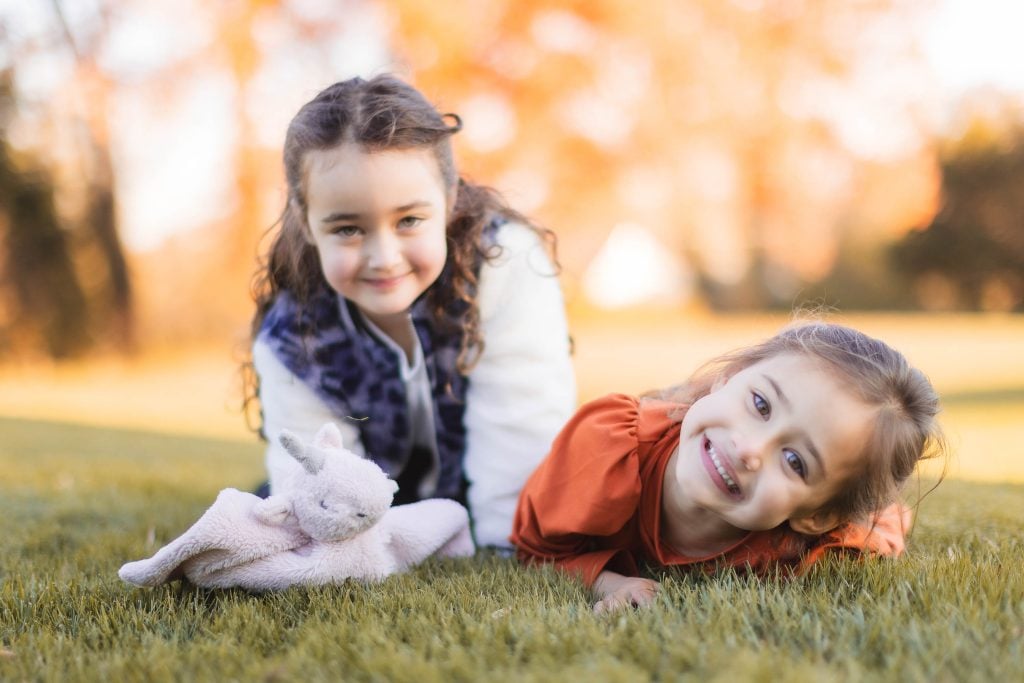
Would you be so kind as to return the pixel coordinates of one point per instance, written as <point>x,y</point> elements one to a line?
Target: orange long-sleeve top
<point>595,503</point>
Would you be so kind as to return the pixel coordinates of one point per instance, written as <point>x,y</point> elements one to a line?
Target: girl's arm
<point>523,389</point>
<point>287,403</point>
<point>575,509</point>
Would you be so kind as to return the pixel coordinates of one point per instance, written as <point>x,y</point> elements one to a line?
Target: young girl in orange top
<point>767,457</point>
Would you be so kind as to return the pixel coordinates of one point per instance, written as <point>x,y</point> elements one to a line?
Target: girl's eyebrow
<point>418,204</point>
<point>335,217</point>
<point>784,400</point>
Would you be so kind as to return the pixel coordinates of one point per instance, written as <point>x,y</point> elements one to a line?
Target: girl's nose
<point>751,461</point>
<point>383,251</point>
<point>750,452</point>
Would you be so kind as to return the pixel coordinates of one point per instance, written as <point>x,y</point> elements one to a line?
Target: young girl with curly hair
<point>768,457</point>
<point>413,308</point>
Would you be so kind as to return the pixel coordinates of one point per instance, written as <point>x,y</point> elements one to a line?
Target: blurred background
<point>709,166</point>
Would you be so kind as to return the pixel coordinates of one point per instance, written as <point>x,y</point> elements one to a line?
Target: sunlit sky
<point>973,43</point>
<point>968,44</point>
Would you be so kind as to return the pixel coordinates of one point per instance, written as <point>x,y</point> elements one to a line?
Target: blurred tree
<point>757,139</point>
<point>70,136</point>
<point>42,306</point>
<point>129,74</point>
<point>237,47</point>
<point>102,249</point>
<point>972,254</point>
<point>745,134</point>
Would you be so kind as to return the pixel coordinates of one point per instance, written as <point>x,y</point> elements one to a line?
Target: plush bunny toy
<point>331,521</point>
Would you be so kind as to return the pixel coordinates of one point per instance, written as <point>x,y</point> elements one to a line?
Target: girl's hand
<point>616,592</point>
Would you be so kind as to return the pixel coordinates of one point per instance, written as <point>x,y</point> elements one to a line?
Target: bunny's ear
<point>307,457</point>
<point>292,444</point>
<point>329,436</point>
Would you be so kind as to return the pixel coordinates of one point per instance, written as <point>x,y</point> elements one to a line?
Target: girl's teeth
<point>721,470</point>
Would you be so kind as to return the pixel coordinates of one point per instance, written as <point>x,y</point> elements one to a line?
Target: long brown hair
<point>382,113</point>
<point>906,428</point>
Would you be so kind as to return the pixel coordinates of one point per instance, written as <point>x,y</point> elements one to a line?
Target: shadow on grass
<point>73,466</point>
<point>26,437</point>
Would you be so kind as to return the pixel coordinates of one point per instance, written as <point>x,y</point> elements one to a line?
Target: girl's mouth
<point>384,282</point>
<point>724,478</point>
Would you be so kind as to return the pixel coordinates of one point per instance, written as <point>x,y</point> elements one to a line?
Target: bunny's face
<point>336,494</point>
<point>347,497</point>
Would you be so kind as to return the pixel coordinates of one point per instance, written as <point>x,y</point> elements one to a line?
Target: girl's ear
<point>815,524</point>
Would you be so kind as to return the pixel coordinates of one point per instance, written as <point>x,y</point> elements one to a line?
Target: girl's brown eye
<point>761,405</point>
<point>797,465</point>
<point>346,231</point>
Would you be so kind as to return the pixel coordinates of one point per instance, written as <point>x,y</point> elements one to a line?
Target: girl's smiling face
<point>378,223</point>
<point>775,442</point>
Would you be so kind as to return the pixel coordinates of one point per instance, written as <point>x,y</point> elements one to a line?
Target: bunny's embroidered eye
<point>323,504</point>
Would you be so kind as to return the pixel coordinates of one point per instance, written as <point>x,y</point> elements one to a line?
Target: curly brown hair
<point>379,114</point>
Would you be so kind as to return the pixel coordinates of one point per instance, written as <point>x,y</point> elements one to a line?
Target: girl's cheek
<point>778,496</point>
<point>436,240</point>
<point>431,249</point>
<point>337,264</point>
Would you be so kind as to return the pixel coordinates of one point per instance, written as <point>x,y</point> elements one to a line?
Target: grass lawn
<point>79,501</point>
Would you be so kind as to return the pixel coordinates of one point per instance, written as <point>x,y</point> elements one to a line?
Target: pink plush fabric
<point>331,524</point>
